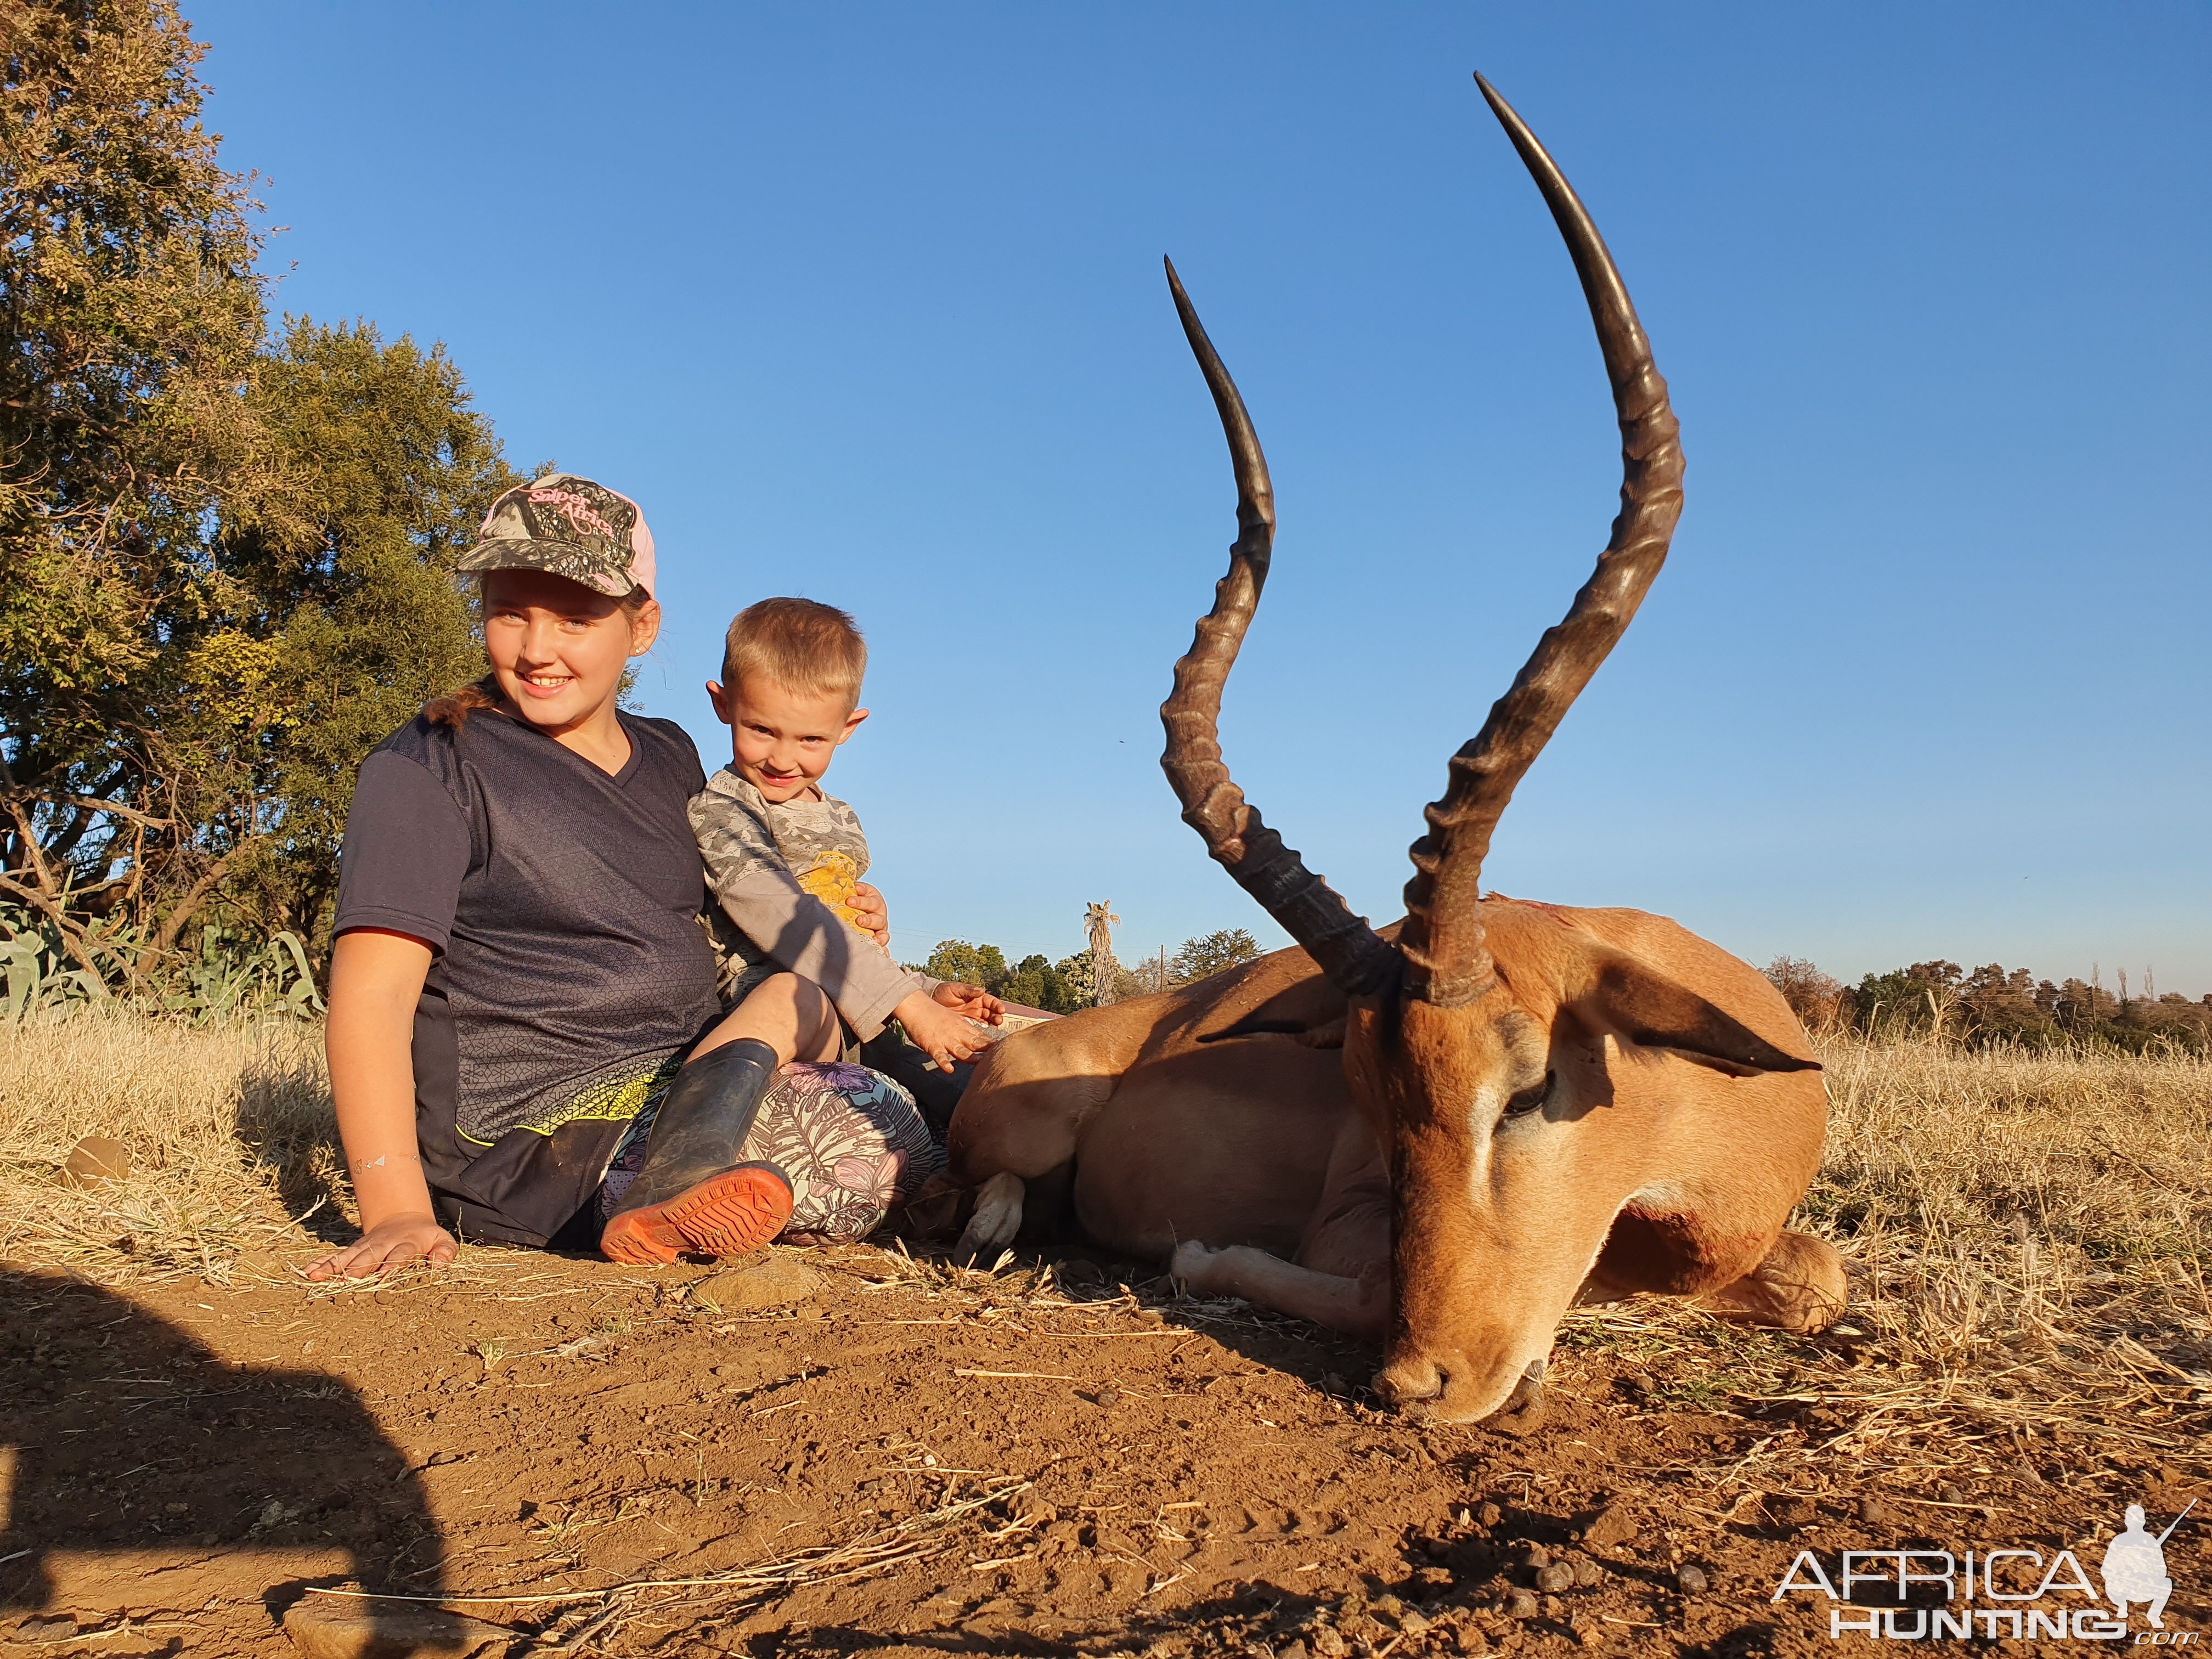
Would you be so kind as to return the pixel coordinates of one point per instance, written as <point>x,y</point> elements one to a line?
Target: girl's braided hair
<point>454,708</point>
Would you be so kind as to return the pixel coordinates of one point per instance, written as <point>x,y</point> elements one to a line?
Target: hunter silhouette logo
<point>2007,1593</point>
<point>2135,1566</point>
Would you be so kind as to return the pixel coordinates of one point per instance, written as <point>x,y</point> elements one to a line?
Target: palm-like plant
<point>1098,919</point>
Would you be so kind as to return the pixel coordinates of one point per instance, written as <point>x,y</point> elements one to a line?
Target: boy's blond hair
<point>800,644</point>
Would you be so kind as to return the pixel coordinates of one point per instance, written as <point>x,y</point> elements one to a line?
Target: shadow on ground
<point>124,1437</point>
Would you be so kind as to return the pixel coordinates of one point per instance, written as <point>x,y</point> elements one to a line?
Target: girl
<point>521,995</point>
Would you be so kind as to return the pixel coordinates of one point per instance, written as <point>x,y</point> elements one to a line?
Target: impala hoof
<point>997,1219</point>
<point>1189,1266</point>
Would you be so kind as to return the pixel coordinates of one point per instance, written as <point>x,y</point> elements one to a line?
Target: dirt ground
<point>859,1448</point>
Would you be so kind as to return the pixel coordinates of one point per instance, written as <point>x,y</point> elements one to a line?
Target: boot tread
<point>726,1214</point>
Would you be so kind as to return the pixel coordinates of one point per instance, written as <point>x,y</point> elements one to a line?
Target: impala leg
<point>1800,1287</point>
<point>1342,1276</point>
<point>1011,1143</point>
<point>1358,1307</point>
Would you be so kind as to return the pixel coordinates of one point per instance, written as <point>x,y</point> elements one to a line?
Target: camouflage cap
<point>568,526</point>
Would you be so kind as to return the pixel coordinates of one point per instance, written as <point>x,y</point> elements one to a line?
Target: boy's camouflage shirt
<point>744,838</point>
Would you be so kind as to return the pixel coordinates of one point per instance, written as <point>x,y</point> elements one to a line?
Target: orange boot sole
<point>728,1214</point>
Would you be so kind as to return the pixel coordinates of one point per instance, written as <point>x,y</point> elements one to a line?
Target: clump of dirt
<point>864,1449</point>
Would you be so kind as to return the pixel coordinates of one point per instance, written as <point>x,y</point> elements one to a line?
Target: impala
<point>1440,1134</point>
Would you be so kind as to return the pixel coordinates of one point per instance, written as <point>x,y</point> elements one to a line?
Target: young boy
<point>808,974</point>
<point>785,860</point>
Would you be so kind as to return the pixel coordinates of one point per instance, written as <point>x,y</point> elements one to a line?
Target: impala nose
<point>1418,1384</point>
<point>1404,1381</point>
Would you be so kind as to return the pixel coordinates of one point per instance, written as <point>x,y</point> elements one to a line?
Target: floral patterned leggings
<point>853,1142</point>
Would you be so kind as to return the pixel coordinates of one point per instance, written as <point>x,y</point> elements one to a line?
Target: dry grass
<point>2027,1233</point>
<point>2007,1197</point>
<point>229,1128</point>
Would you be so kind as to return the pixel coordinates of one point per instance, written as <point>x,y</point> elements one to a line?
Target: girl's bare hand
<point>400,1239</point>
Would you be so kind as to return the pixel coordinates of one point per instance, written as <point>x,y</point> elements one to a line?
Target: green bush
<point>228,972</point>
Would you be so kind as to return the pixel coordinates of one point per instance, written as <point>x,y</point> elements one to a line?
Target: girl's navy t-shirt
<point>562,903</point>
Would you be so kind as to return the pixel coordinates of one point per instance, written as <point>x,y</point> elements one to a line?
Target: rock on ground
<point>771,1281</point>
<point>331,1627</point>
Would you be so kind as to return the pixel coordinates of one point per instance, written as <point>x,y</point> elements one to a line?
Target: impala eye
<point>1530,1099</point>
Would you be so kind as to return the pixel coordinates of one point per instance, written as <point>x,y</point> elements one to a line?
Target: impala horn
<point>1448,964</point>
<point>1356,958</point>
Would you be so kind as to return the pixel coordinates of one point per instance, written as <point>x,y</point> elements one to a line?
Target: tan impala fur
<point>1438,1135</point>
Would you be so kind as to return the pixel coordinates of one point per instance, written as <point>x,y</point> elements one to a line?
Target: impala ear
<point>1641,1005</point>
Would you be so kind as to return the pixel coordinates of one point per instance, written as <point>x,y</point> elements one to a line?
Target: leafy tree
<point>1054,987</point>
<point>1078,982</point>
<point>970,964</point>
<point>1141,981</point>
<point>132,314</point>
<point>1028,982</point>
<point>1210,953</point>
<point>225,560</point>
<point>1815,997</point>
<point>2075,1005</point>
<point>343,614</point>
<point>1058,987</point>
<point>2000,1004</point>
<point>1917,998</point>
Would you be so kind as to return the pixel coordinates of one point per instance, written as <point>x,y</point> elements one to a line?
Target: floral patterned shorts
<point>853,1142</point>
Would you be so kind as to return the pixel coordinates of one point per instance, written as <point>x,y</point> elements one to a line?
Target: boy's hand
<point>970,1002</point>
<point>870,914</point>
<point>939,1032</point>
<point>401,1238</point>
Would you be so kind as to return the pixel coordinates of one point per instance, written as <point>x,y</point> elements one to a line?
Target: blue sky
<point>864,302</point>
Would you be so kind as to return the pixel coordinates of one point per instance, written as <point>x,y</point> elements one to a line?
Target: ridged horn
<point>1353,955</point>
<point>1448,964</point>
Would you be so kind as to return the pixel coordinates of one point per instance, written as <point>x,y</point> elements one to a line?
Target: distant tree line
<point>1058,988</point>
<point>1064,986</point>
<point>226,542</point>
<point>1992,1004</point>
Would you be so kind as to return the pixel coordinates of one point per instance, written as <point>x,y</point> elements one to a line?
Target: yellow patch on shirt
<point>831,877</point>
